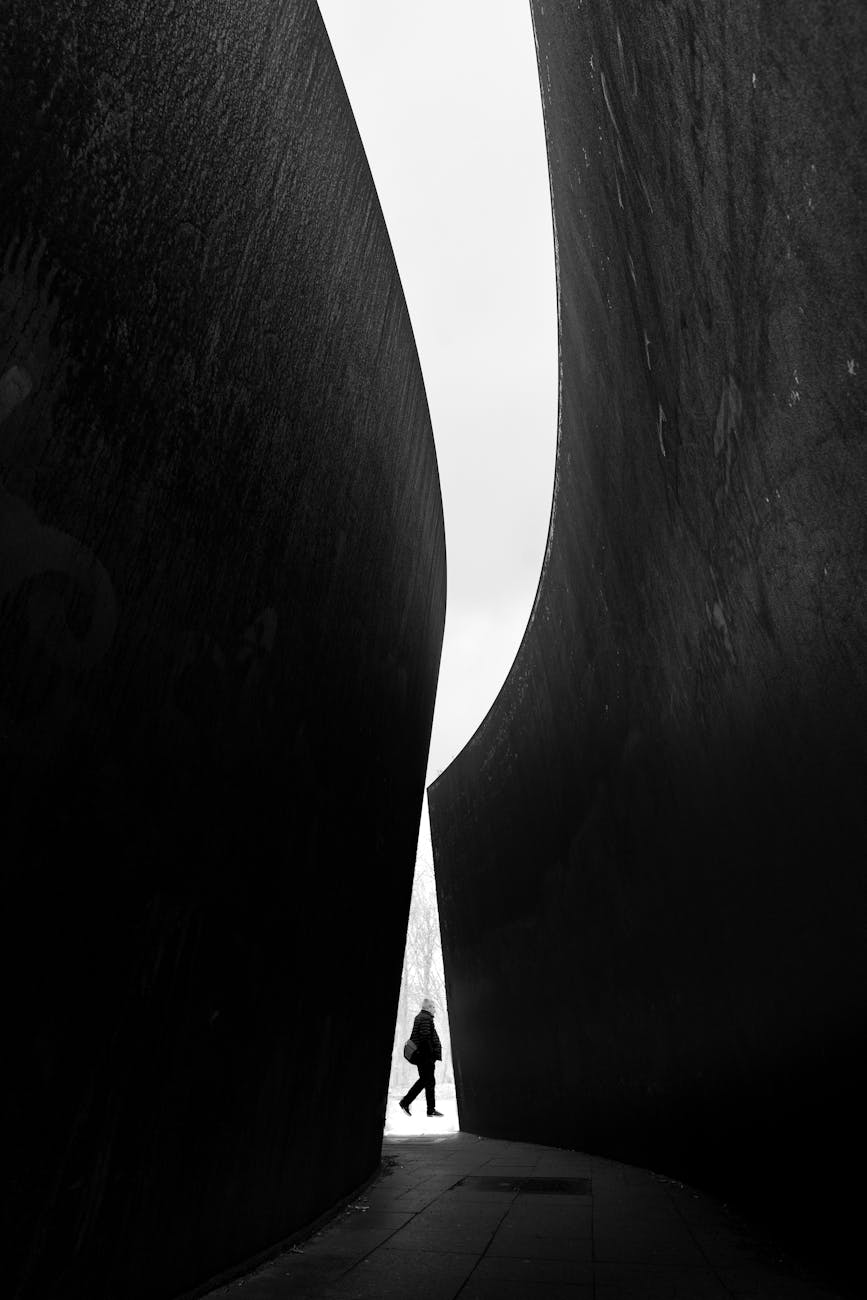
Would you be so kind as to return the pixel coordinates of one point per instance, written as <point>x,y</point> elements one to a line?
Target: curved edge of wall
<point>278,1250</point>
<point>647,856</point>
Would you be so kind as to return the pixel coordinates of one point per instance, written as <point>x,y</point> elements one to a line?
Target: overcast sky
<point>446,97</point>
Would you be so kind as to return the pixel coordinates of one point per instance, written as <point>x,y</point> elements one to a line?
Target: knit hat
<point>427,1005</point>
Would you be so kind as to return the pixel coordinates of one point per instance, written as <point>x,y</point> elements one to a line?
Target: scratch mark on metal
<point>660,422</point>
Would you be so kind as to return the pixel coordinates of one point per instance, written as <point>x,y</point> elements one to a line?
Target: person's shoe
<point>435,1114</point>
<point>404,1107</point>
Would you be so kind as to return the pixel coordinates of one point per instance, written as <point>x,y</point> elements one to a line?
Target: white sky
<point>446,97</point>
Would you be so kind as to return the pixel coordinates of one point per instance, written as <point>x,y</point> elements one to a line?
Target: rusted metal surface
<point>222,587</point>
<point>650,856</point>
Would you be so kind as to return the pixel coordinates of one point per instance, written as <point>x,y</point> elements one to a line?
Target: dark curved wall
<point>222,588</point>
<point>650,858</point>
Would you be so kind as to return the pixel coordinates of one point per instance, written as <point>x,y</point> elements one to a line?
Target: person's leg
<point>429,1083</point>
<point>414,1091</point>
<point>416,1088</point>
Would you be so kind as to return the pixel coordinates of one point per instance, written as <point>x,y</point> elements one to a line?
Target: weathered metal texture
<point>222,576</point>
<point>650,858</point>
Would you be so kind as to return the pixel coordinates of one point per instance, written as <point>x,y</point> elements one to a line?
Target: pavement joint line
<point>711,1265</point>
<point>413,1215</point>
<point>479,1259</point>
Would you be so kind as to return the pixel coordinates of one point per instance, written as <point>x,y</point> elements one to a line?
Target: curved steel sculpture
<point>650,856</point>
<point>222,589</point>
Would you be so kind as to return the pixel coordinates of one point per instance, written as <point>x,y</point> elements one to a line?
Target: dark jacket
<point>426,1039</point>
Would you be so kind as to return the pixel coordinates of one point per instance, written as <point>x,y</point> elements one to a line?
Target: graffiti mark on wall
<point>58,611</point>
<point>223,689</point>
<point>15,385</point>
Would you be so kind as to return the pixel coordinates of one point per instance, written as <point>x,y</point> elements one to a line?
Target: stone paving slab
<point>398,1275</point>
<point>539,1272</point>
<point>481,1288</point>
<point>418,1234</point>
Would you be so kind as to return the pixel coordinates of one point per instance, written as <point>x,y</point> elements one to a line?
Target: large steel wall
<point>650,858</point>
<point>222,588</point>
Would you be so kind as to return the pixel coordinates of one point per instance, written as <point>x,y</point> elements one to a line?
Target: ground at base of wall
<point>458,1217</point>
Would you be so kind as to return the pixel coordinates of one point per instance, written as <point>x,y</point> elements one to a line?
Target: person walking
<point>428,1051</point>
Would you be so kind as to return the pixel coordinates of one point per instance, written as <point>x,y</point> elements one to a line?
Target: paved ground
<point>421,1232</point>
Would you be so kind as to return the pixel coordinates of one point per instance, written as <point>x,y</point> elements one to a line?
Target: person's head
<point>428,1006</point>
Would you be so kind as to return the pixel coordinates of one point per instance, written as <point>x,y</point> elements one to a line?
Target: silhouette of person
<point>428,1051</point>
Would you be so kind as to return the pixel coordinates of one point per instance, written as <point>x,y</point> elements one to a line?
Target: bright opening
<point>447,101</point>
